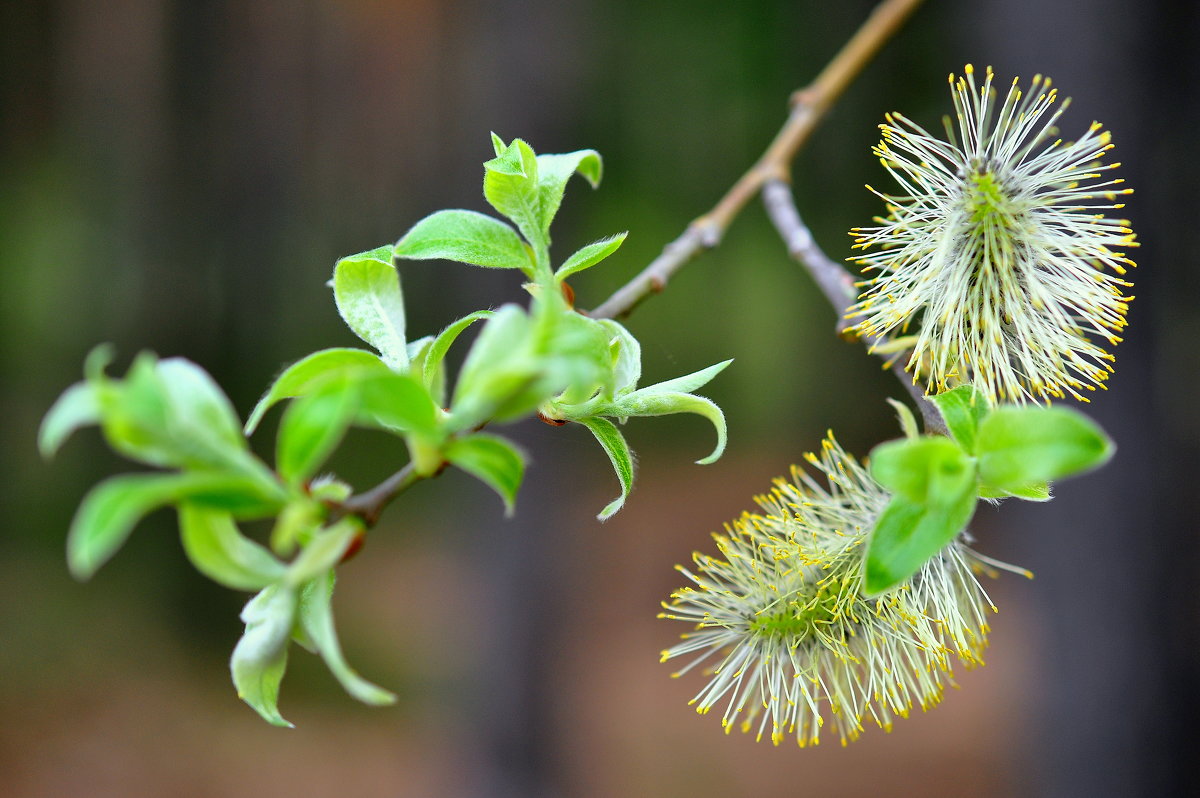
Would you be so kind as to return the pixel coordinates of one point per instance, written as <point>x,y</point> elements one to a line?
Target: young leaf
<point>260,657</point>
<point>366,289</point>
<point>627,357</point>
<point>929,470</point>
<point>432,368</point>
<point>553,172</point>
<point>689,382</point>
<point>492,460</point>
<point>963,410</point>
<point>1036,492</point>
<point>315,619</point>
<point>510,186</point>
<point>590,255</point>
<point>324,551</point>
<point>466,237</point>
<point>219,551</point>
<point>1019,446</point>
<point>907,534</point>
<point>908,422</point>
<point>77,407</point>
<point>500,378</point>
<point>312,428</point>
<point>305,375</point>
<point>397,402</point>
<point>111,510</point>
<point>654,402</point>
<point>619,455</point>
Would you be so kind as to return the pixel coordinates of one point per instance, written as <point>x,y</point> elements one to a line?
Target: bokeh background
<point>181,175</point>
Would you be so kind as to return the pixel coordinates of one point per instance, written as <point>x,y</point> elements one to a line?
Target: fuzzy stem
<point>838,286</point>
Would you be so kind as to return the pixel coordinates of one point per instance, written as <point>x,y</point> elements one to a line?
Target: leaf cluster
<point>992,453</point>
<point>546,359</point>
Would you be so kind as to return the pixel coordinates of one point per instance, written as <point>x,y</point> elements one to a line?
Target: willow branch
<point>808,107</point>
<point>368,505</point>
<point>837,285</point>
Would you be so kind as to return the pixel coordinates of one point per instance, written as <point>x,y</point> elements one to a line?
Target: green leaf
<point>312,428</point>
<point>689,382</point>
<point>1036,492</point>
<point>908,422</point>
<point>170,413</point>
<point>466,237</point>
<point>305,375</point>
<point>618,454</point>
<point>260,657</point>
<point>508,160</point>
<point>432,369</point>
<point>491,459</point>
<point>1019,446</point>
<point>655,402</point>
<point>316,621</point>
<point>929,470</point>
<point>581,357</point>
<point>77,407</point>
<point>627,357</point>
<point>366,288</point>
<point>110,511</point>
<point>324,551</point>
<point>219,551</point>
<point>963,410</point>
<point>399,403</point>
<point>500,379</point>
<point>590,255</point>
<point>510,186</point>
<point>553,172</point>
<point>907,534</point>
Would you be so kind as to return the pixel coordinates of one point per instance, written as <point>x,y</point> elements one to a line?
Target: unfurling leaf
<point>315,619</point>
<point>260,657</point>
<point>963,409</point>
<point>655,402</point>
<point>77,407</point>
<point>553,172</point>
<point>618,454</point>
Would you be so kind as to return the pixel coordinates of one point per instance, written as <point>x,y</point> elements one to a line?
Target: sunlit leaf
<point>366,288</point>
<point>466,237</point>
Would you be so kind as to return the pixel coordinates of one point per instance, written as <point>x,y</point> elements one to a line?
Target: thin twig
<point>369,504</point>
<point>809,106</point>
<point>838,286</point>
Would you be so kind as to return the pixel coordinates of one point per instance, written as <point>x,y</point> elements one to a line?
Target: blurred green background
<point>180,176</point>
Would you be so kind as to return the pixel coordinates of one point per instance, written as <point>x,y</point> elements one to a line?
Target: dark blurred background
<point>180,176</point>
